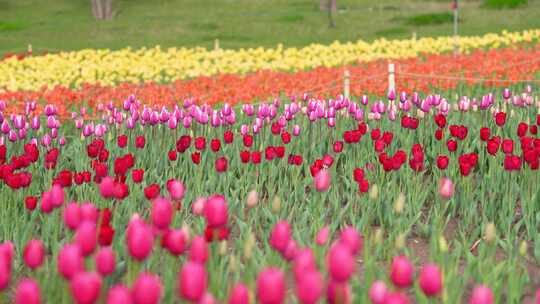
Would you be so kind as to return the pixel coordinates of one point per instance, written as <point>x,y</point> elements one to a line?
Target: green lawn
<point>69,25</point>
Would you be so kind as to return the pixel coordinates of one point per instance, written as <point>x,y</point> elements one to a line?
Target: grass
<point>430,19</point>
<point>69,25</point>
<point>500,4</point>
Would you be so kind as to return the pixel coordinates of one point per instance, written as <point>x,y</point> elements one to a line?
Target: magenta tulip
<point>401,272</point>
<point>162,213</point>
<point>119,294</point>
<point>430,280</point>
<point>105,261</point>
<point>27,292</point>
<point>239,295</point>
<point>72,216</point>
<point>309,287</point>
<point>198,251</point>
<point>34,253</point>
<point>341,262</point>
<point>147,289</point>
<point>481,294</point>
<point>352,239</point>
<point>192,281</point>
<point>322,180</point>
<point>216,211</point>
<point>280,236</point>
<point>140,240</point>
<point>86,237</point>
<point>70,261</point>
<point>378,292</point>
<point>271,286</point>
<point>85,287</point>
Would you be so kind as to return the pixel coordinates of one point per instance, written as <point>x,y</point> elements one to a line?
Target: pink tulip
<point>291,250</point>
<point>481,294</point>
<point>199,250</point>
<point>57,196</point>
<point>140,240</point>
<point>105,261</point>
<point>216,211</point>
<point>192,281</point>
<point>378,292</point>
<point>396,298</point>
<point>271,286</point>
<point>147,289</point>
<point>207,298</point>
<point>446,188</point>
<point>176,240</point>
<point>72,216</point>
<point>322,180</point>
<point>70,261</point>
<point>89,212</point>
<point>27,292</point>
<point>85,287</point>
<point>86,237</point>
<point>352,239</point>
<point>106,187</point>
<point>239,295</point>
<point>280,236</point>
<point>176,189</point>
<point>119,294</point>
<point>341,262</point>
<point>401,272</point>
<point>197,207</point>
<point>430,280</point>
<point>309,287</point>
<point>34,253</point>
<point>322,236</point>
<point>162,213</point>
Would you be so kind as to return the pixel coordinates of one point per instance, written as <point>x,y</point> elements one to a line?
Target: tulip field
<point>423,194</point>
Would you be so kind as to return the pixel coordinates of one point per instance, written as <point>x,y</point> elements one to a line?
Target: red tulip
<point>122,141</point>
<point>500,119</point>
<point>172,155</point>
<point>196,158</point>
<point>215,145</point>
<point>228,137</point>
<point>485,133</point>
<point>221,164</point>
<point>200,143</point>
<point>30,202</point>
<point>140,141</point>
<point>451,145</point>
<point>442,162</point>
<point>151,191</point>
<point>137,175</point>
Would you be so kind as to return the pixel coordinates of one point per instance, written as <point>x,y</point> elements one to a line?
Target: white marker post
<point>216,44</point>
<point>391,78</point>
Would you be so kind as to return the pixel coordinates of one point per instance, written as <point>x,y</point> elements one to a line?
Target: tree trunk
<point>323,5</point>
<point>102,9</point>
<point>331,9</point>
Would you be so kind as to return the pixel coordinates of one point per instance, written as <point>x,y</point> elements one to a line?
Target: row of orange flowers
<point>431,73</point>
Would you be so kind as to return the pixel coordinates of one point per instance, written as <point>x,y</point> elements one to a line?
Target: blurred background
<point>55,25</point>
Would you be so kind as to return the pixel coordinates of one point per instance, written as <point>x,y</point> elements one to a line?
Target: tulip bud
<point>271,286</point>
<point>400,241</point>
<point>105,261</point>
<point>27,292</point>
<point>481,295</point>
<point>239,295</point>
<point>523,248</point>
<point>34,253</point>
<point>399,203</point>
<point>374,192</point>
<point>378,292</point>
<point>430,280</point>
<point>252,199</point>
<point>490,232</point>
<point>192,281</point>
<point>276,204</point>
<point>147,289</point>
<point>85,287</point>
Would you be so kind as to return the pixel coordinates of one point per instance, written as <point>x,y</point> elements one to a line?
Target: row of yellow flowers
<point>72,69</point>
